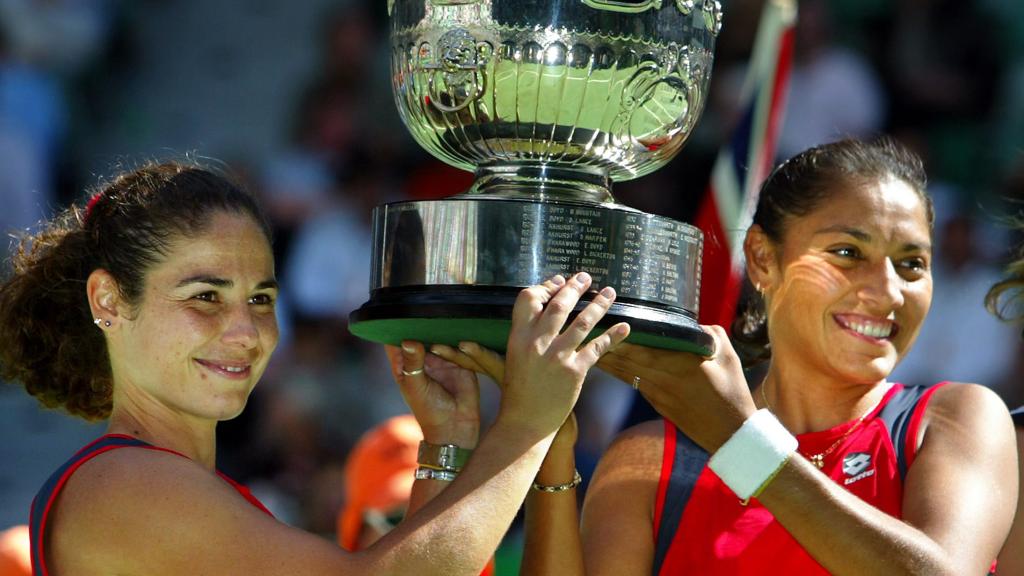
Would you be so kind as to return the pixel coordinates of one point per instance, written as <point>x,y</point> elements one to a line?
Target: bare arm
<point>446,404</point>
<point>618,514</point>
<point>552,518</point>
<point>617,533</point>
<point>146,512</point>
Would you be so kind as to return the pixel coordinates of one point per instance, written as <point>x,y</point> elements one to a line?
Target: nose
<point>241,329</point>
<point>882,289</point>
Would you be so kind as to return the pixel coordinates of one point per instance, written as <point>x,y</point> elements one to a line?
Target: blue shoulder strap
<point>687,464</point>
<point>51,488</point>
<point>1018,417</point>
<point>897,415</point>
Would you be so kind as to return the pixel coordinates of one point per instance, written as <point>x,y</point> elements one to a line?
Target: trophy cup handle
<point>462,58</point>
<point>437,98</point>
<point>676,94</point>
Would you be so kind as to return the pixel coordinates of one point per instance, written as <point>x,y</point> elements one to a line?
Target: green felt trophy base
<point>449,315</point>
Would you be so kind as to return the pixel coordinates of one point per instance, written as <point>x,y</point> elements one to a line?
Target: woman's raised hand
<point>444,397</point>
<point>475,357</point>
<point>545,365</point>
<point>481,360</point>
<point>707,398</point>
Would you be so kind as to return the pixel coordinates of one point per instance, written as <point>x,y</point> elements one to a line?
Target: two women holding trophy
<point>153,307</point>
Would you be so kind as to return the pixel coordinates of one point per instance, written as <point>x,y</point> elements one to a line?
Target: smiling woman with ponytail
<point>826,466</point>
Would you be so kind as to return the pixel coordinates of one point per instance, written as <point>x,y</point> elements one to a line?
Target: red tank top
<point>43,502</point>
<point>701,527</point>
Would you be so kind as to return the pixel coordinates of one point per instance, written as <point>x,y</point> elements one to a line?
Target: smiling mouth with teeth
<point>880,330</point>
<point>240,370</point>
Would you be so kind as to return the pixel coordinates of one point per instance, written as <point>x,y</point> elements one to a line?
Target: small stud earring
<point>97,321</point>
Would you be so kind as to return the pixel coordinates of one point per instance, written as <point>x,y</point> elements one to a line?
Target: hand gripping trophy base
<point>481,314</point>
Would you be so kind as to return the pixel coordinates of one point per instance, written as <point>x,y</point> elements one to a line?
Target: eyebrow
<point>865,237</point>
<point>223,282</point>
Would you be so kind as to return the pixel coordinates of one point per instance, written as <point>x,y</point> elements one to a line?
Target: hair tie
<point>91,205</point>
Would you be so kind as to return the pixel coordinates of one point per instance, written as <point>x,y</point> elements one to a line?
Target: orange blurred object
<point>378,474</point>
<point>15,553</point>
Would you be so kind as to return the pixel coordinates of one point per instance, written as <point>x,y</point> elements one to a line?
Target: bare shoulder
<point>146,511</point>
<point>131,477</point>
<point>968,407</point>
<point>119,497</point>
<point>618,512</point>
<point>637,448</point>
<point>958,484</point>
<point>627,475</point>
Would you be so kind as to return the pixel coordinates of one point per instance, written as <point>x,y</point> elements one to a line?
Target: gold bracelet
<point>576,481</point>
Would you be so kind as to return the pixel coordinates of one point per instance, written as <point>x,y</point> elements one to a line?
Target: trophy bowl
<point>547,102</point>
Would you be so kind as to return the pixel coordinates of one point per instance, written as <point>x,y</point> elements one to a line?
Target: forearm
<point>553,545</point>
<point>423,491</point>
<point>846,535</point>
<point>459,529</point>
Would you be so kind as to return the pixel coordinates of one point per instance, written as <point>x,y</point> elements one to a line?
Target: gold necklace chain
<point>819,458</point>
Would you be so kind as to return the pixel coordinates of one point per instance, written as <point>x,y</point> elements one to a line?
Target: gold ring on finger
<point>412,372</point>
<point>636,382</point>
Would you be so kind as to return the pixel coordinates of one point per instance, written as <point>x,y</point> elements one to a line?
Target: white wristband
<point>754,454</point>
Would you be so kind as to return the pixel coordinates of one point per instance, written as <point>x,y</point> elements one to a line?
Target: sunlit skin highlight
<point>846,292</point>
<point>208,311</point>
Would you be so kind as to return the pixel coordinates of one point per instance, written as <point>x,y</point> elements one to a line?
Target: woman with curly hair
<point>153,308</point>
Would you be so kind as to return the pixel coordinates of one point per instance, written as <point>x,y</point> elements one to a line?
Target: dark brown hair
<point>797,187</point>
<point>47,338</point>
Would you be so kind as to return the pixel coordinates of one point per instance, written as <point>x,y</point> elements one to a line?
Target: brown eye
<point>915,264</point>
<point>206,297</point>
<point>846,252</point>
<point>262,300</point>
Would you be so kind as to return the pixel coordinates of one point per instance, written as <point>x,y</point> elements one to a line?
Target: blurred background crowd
<point>294,99</point>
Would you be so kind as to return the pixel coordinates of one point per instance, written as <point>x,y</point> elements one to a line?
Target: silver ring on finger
<point>636,383</point>
<point>412,372</point>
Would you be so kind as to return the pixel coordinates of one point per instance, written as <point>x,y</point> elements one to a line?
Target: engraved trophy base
<point>447,271</point>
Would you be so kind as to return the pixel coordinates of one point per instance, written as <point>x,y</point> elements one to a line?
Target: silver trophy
<point>547,102</point>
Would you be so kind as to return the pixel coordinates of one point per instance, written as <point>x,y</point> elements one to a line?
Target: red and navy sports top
<point>47,495</point>
<point>700,527</point>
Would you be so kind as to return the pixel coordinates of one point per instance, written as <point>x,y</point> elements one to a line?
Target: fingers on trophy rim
<point>414,352</point>
<point>718,336</point>
<point>588,318</point>
<point>564,302</point>
<point>530,302</point>
<point>608,340</point>
<point>479,354</point>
